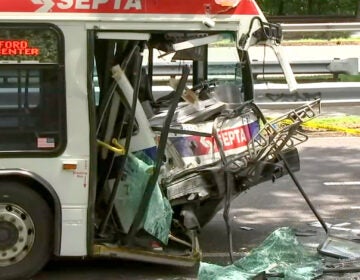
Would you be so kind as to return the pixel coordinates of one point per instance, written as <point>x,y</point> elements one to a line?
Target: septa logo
<point>46,5</point>
<point>86,5</point>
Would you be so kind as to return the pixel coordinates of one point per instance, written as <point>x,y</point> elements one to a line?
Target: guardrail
<point>331,93</point>
<point>315,27</point>
<point>275,96</point>
<point>337,66</point>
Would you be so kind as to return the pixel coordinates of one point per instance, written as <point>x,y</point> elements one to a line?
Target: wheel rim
<point>17,234</point>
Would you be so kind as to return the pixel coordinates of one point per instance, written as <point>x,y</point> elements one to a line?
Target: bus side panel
<point>73,190</point>
<point>68,172</point>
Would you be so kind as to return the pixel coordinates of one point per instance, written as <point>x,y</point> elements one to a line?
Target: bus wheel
<point>25,231</point>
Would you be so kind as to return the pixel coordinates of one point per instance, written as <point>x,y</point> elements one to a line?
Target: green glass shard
<point>280,253</point>
<point>157,219</point>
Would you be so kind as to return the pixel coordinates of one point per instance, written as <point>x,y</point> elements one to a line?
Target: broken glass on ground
<point>340,248</point>
<point>280,253</point>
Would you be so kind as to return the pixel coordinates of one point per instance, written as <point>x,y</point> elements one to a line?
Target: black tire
<point>23,252</point>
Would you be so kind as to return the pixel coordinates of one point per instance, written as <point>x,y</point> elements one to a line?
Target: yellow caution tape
<point>315,125</point>
<point>355,131</point>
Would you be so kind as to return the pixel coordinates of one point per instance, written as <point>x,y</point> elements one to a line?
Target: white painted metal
<point>73,234</point>
<point>145,138</point>
<point>70,185</point>
<point>197,42</point>
<point>123,36</point>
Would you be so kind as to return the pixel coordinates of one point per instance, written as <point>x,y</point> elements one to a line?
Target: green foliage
<point>309,7</point>
<point>349,78</point>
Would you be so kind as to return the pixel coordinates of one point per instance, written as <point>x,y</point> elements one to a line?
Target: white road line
<point>350,183</point>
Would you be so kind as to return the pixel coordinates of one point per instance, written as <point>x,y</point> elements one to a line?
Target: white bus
<point>99,156</point>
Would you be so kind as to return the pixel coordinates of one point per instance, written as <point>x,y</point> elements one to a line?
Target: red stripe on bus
<point>200,7</point>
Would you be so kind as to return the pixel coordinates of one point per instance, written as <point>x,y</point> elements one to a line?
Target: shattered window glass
<point>280,254</point>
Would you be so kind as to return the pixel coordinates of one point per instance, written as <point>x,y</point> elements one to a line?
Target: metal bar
<point>314,27</point>
<point>336,91</point>
<point>123,36</point>
<point>335,66</point>
<point>312,18</point>
<point>159,158</point>
<point>303,193</point>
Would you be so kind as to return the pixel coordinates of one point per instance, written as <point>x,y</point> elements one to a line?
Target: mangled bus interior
<point>178,137</point>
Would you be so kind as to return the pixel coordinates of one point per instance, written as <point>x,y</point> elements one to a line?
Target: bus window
<point>32,89</point>
<point>224,66</point>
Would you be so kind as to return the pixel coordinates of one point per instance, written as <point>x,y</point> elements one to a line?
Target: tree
<point>311,7</point>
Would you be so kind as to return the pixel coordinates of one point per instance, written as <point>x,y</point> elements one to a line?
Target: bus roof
<point>163,7</point>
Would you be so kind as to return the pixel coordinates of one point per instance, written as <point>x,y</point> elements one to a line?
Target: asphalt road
<point>330,176</point>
